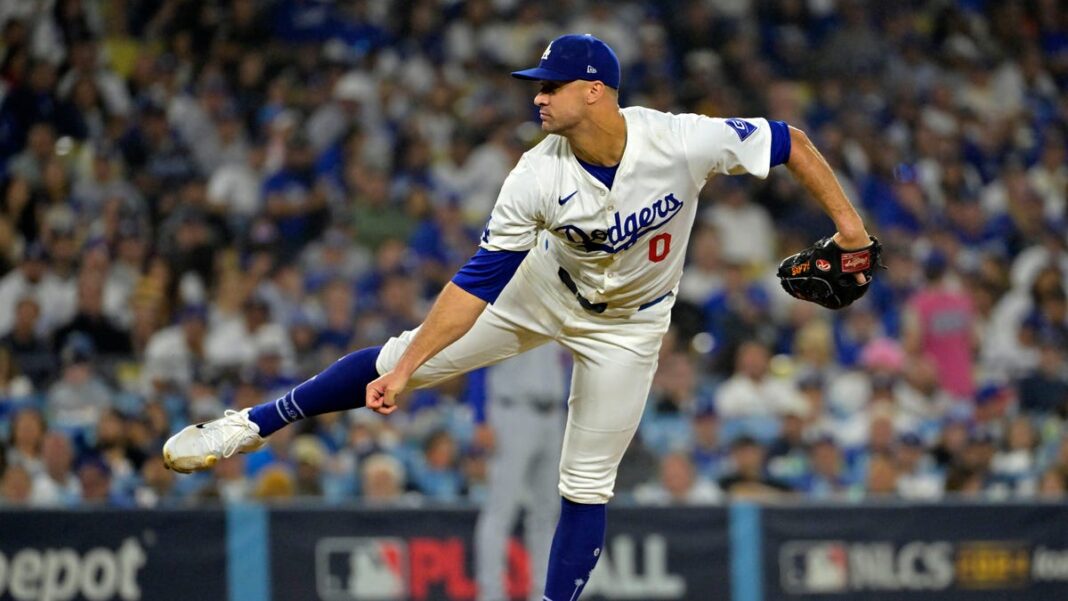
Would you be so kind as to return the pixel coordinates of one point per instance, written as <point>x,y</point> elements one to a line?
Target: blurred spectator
<point>436,474</point>
<point>856,327</point>
<point>33,279</point>
<point>236,342</point>
<point>161,161</point>
<point>56,485</point>
<point>274,484</point>
<point>382,480</point>
<point>940,324</point>
<point>703,277</point>
<point>745,228</point>
<point>30,352</point>
<point>737,313</point>
<point>27,436</point>
<point>94,478</point>
<point>709,455</point>
<point>666,424</point>
<point>234,190</point>
<point>334,258</point>
<point>229,483</point>
<point>828,477</point>
<point>1047,324</point>
<point>917,477</point>
<point>110,447</point>
<point>374,215</point>
<point>293,199</point>
<point>637,466</point>
<point>752,390</point>
<point>78,399</point>
<point>678,484</point>
<point>749,478</point>
<point>883,480</point>
<point>36,101</point>
<point>1053,485</point>
<point>309,454</point>
<point>813,349</point>
<point>1016,461</point>
<point>107,338</point>
<point>157,485</point>
<point>973,474</point>
<point>921,402</point>
<point>176,354</point>
<point>86,66</point>
<point>1045,389</point>
<point>103,185</point>
<point>15,486</point>
<point>788,453</point>
<point>28,165</point>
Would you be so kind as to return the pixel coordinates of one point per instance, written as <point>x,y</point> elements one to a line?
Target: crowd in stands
<point>204,202</point>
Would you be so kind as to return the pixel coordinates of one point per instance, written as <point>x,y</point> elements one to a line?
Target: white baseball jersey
<point>625,246</point>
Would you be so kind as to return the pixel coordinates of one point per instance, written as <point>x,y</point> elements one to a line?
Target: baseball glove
<point>826,275</point>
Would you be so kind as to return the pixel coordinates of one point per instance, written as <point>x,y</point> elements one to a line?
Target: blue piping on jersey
<point>653,302</point>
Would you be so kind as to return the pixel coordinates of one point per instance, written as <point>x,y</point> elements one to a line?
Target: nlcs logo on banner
<point>820,567</point>
<point>361,569</point>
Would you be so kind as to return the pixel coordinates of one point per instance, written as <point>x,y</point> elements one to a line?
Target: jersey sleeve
<point>487,273</point>
<point>518,213</point>
<point>731,146</point>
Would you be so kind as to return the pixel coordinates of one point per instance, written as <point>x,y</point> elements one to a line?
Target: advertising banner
<point>916,552</point>
<point>109,555</point>
<point>427,555</point>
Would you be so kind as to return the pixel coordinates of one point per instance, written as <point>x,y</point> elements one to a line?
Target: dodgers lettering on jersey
<point>626,231</point>
<point>625,246</point>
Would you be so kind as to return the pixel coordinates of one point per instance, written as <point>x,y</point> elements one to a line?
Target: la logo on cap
<point>548,49</point>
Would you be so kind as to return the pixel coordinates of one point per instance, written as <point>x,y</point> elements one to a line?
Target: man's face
<point>26,314</point>
<point>825,459</point>
<point>562,104</point>
<point>57,455</point>
<point>676,474</point>
<point>749,459</point>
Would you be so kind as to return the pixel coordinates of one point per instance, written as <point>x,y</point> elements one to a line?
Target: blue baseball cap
<point>573,56</point>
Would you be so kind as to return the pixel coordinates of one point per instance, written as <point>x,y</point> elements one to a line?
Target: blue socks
<point>341,386</point>
<point>577,544</point>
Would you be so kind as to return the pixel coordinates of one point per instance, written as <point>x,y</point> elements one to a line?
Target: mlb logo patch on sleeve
<point>743,128</point>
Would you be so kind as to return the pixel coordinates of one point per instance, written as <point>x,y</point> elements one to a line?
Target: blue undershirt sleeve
<point>780,142</point>
<point>488,272</point>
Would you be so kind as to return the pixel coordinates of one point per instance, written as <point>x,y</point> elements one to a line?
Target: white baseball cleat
<point>199,447</point>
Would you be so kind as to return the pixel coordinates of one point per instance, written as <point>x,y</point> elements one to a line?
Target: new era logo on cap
<point>570,57</point>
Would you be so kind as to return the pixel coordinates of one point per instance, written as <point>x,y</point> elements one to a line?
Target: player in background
<point>522,430</point>
<point>585,246</point>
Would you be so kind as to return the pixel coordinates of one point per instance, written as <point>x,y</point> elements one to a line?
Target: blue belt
<point>598,308</point>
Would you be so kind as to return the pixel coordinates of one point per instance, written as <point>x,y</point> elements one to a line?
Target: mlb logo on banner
<point>361,569</point>
<point>814,567</point>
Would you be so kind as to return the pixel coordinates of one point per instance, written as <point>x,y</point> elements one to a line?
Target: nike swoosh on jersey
<point>564,199</point>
